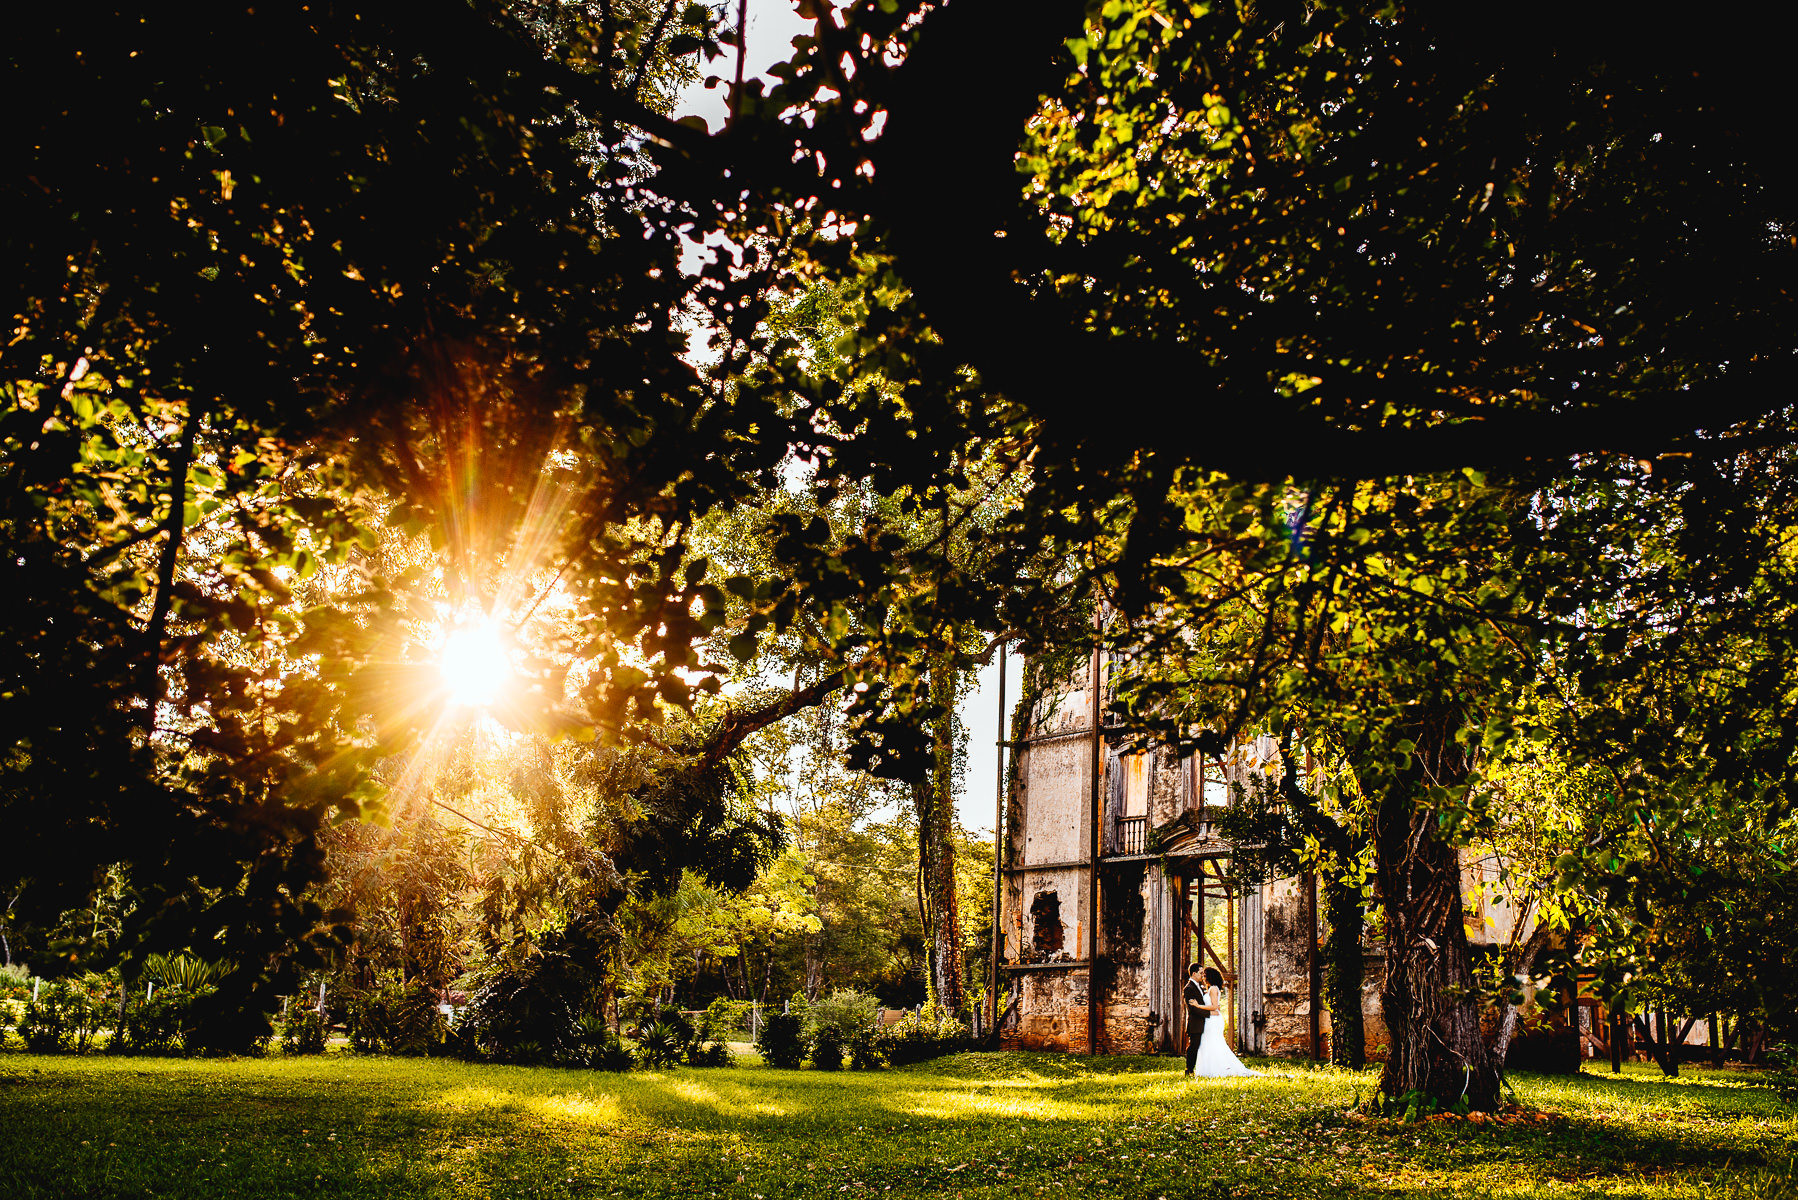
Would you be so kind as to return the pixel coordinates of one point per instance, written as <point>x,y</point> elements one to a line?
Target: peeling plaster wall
<point>1286,974</point>
<point>1168,786</point>
<point>1050,825</point>
<point>1069,888</point>
<point>1054,817</point>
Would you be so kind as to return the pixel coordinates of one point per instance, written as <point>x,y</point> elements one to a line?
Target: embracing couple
<point>1206,1053</point>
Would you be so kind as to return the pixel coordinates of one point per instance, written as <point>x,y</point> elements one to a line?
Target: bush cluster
<point>545,1014</point>
<point>396,1018</point>
<point>782,1040</point>
<point>158,1025</point>
<point>845,1025</point>
<point>925,1034</point>
<point>73,1016</point>
<point>303,1031</point>
<point>66,1016</point>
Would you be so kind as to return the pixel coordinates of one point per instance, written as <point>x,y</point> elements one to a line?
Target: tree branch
<point>174,525</point>
<point>739,725</point>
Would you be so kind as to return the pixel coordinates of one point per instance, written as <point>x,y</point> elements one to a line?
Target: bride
<point>1214,1058</point>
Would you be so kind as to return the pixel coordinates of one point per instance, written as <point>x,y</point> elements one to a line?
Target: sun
<point>474,664</point>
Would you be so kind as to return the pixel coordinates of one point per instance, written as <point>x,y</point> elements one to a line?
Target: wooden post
<point>1618,1032</point>
<point>1232,1029</point>
<point>1198,920</point>
<point>998,956</point>
<point>1183,939</point>
<point>1094,808</point>
<point>1197,952</point>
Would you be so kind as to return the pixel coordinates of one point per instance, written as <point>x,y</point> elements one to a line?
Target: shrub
<point>865,1053</point>
<point>611,1053</point>
<point>596,1047</point>
<point>827,1049</point>
<point>1782,1073</point>
<point>724,1016</point>
<point>154,1026</point>
<point>218,1020</point>
<point>398,1018</point>
<point>65,1016</point>
<point>843,1011</point>
<point>531,1011</point>
<point>46,1023</point>
<point>663,1043</point>
<point>709,1054</point>
<point>922,1035</point>
<point>182,971</point>
<point>303,1032</point>
<point>782,1039</point>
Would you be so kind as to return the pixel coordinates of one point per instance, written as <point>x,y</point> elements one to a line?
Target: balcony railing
<point>1132,835</point>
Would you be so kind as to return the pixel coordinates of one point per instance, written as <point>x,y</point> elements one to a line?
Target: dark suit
<point>1195,1020</point>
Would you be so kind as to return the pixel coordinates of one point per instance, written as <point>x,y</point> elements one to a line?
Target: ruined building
<point>1098,944</point>
<point>1158,885</point>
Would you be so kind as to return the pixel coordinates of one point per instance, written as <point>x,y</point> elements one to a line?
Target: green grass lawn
<point>973,1125</point>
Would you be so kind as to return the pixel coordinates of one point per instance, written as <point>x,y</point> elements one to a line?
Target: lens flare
<point>474,664</point>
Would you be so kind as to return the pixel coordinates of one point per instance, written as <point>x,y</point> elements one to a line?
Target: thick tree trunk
<point>935,801</point>
<point>1429,999</point>
<point>1343,975</point>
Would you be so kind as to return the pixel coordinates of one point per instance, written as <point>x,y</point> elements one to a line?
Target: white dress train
<point>1215,1058</point>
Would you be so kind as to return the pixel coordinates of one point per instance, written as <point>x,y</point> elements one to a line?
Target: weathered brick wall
<point>1052,1015</point>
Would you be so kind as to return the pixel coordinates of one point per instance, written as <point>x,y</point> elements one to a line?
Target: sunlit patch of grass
<point>599,1111</point>
<point>998,1125</point>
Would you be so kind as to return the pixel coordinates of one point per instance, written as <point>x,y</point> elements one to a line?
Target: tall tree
<point>313,265</point>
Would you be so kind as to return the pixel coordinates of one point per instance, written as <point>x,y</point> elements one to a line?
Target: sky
<point>773,24</point>
<point>980,713</point>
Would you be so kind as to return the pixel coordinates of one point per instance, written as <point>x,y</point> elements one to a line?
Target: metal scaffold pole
<point>1094,848</point>
<point>998,956</point>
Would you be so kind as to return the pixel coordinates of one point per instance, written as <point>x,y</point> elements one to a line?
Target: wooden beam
<point>1053,866</point>
<point>998,946</point>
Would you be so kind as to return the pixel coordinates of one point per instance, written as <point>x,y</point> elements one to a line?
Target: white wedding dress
<point>1215,1058</point>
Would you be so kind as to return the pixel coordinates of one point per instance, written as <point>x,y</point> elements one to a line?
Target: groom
<point>1196,1012</point>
